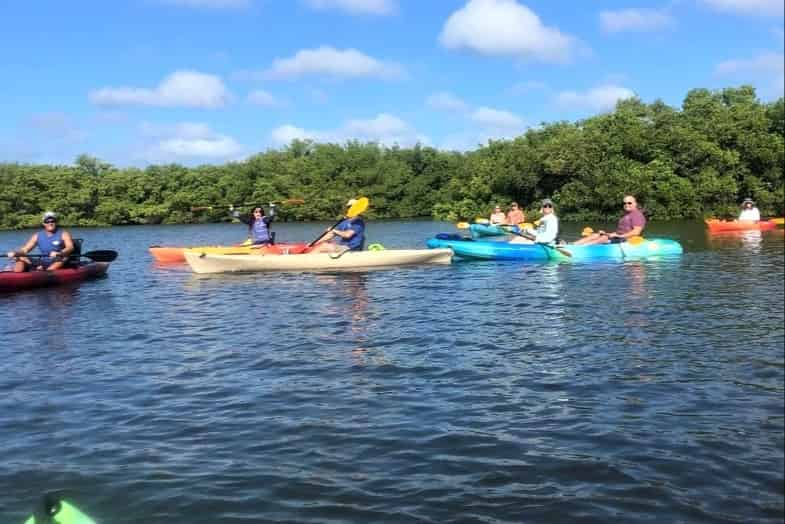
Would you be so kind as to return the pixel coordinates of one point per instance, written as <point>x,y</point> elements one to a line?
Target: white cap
<point>49,214</point>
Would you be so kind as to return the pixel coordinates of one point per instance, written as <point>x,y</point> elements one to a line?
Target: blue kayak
<point>490,250</point>
<point>487,230</point>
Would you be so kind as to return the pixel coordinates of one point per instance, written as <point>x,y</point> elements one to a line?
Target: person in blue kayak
<point>348,235</point>
<point>55,245</point>
<point>630,225</point>
<point>547,228</point>
<point>258,224</point>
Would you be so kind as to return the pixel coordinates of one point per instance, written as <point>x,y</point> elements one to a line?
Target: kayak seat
<point>73,259</point>
<point>272,238</point>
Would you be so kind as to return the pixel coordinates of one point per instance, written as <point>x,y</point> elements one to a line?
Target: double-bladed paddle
<point>99,255</point>
<point>288,201</point>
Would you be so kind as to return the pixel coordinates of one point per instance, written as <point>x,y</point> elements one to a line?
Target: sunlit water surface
<point>477,392</point>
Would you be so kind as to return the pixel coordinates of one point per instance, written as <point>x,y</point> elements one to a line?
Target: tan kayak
<point>202,262</point>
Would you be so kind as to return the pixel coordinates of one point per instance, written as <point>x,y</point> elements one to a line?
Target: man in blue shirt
<point>348,235</point>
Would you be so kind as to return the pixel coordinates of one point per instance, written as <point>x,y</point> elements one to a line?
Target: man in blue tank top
<point>54,244</point>
<point>348,235</point>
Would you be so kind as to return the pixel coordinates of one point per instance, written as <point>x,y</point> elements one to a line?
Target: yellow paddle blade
<point>779,221</point>
<point>586,231</point>
<point>636,240</point>
<point>481,221</point>
<point>360,205</point>
<point>537,222</point>
<point>525,225</point>
<point>462,225</point>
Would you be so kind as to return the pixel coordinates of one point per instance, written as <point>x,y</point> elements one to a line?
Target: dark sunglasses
<point>628,203</point>
<point>50,221</point>
<point>547,205</point>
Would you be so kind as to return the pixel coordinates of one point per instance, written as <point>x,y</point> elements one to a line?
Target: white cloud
<point>384,128</point>
<point>601,98</point>
<point>748,7</point>
<point>505,27</point>
<point>768,68</point>
<point>260,97</point>
<point>187,140</point>
<point>357,7</point>
<point>328,61</point>
<point>496,119</point>
<point>642,19</point>
<point>181,88</point>
<point>444,101</point>
<point>210,4</point>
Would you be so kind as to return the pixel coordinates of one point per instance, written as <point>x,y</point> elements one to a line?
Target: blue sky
<point>136,82</point>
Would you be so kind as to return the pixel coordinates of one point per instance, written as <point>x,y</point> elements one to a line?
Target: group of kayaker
<point>348,235</point>
<point>513,217</point>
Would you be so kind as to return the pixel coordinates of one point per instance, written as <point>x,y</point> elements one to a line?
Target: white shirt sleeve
<point>750,214</point>
<point>548,229</point>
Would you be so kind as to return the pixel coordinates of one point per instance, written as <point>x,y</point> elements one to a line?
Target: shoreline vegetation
<point>691,162</point>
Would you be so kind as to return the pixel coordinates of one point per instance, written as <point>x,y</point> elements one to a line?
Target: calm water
<point>477,392</point>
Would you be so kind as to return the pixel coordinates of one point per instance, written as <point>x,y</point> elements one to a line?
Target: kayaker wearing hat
<point>748,211</point>
<point>348,235</point>
<point>55,245</point>
<point>547,229</point>
<point>630,225</point>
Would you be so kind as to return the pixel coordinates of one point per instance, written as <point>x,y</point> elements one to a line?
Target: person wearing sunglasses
<point>749,211</point>
<point>55,245</point>
<point>631,224</point>
<point>547,229</point>
<point>515,215</point>
<point>258,224</point>
<point>498,216</point>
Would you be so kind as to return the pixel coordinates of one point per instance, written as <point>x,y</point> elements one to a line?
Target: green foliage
<point>689,162</point>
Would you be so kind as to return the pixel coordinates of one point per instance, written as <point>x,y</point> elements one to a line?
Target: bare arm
<point>69,245</point>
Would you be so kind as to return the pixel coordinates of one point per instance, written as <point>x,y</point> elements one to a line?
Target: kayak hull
<point>10,281</point>
<point>719,226</point>
<point>487,230</point>
<point>175,255</point>
<point>490,250</point>
<point>201,262</point>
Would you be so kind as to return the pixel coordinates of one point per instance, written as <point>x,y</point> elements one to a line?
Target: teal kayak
<point>54,510</point>
<point>487,230</point>
<point>494,250</point>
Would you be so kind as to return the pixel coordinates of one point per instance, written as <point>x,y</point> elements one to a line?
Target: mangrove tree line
<point>689,162</point>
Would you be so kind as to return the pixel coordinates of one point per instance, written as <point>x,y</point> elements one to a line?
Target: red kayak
<point>716,226</point>
<point>10,281</point>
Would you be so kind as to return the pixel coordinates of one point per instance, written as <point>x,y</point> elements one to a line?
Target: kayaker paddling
<point>630,225</point>
<point>55,245</point>
<point>547,229</point>
<point>749,212</point>
<point>347,235</point>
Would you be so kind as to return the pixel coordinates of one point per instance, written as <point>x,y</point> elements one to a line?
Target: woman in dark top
<point>258,225</point>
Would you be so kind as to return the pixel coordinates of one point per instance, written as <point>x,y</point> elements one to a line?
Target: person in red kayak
<point>748,211</point>
<point>630,225</point>
<point>55,245</point>
<point>258,225</point>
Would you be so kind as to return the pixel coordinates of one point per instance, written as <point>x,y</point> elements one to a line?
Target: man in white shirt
<point>547,230</point>
<point>748,211</point>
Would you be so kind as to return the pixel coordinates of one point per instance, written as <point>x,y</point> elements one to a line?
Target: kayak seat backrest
<point>272,238</point>
<point>75,255</point>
